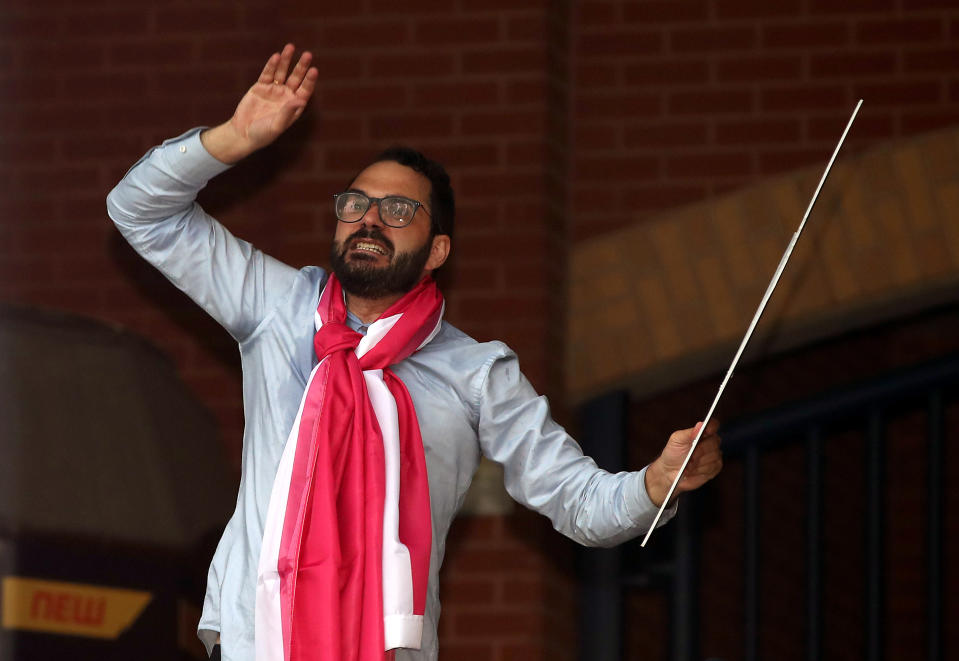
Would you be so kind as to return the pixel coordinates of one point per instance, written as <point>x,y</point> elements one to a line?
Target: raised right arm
<point>155,209</point>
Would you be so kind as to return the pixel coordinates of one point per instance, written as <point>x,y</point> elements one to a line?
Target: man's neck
<point>369,310</point>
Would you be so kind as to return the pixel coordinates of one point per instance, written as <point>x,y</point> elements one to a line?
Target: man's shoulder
<point>452,339</point>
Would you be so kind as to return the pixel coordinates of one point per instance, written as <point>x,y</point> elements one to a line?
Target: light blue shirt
<point>470,397</point>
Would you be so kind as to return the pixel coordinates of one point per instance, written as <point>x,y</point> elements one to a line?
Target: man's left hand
<point>704,465</point>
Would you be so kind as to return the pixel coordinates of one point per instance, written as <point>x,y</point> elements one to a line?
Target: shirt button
<point>182,149</point>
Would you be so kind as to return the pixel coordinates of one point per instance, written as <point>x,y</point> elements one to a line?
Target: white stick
<point>752,324</point>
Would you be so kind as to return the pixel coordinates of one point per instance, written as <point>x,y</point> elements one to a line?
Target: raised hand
<point>269,107</point>
<point>705,464</point>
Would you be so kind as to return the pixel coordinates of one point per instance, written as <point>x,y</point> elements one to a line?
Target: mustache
<point>369,233</point>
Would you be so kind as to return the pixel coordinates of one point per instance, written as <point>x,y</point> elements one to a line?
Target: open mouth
<point>365,246</point>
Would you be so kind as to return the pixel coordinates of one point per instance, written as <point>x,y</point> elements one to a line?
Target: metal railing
<point>929,388</point>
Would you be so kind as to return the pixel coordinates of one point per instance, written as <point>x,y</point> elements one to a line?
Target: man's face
<point>373,260</point>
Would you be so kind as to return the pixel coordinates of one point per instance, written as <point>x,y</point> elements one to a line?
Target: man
<point>366,414</point>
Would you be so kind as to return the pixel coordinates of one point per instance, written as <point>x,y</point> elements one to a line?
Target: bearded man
<point>366,413</point>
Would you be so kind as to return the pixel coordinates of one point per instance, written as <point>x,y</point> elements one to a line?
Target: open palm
<point>276,100</point>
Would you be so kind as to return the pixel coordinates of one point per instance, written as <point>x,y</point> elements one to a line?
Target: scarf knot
<point>335,336</point>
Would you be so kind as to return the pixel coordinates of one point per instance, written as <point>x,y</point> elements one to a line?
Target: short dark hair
<point>442,202</point>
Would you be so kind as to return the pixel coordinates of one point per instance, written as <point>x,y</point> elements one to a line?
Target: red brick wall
<point>556,119</point>
<point>677,101</point>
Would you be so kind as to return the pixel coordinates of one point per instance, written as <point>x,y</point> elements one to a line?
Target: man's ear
<point>439,251</point>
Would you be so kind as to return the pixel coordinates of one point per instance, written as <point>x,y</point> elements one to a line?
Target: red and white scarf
<point>346,548</point>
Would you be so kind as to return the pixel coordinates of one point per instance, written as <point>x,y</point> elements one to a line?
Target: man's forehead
<point>392,178</point>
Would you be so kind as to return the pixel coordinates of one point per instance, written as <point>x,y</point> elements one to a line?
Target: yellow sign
<point>70,608</point>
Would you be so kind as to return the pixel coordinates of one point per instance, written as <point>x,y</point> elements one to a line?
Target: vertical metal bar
<point>875,474</point>
<point>604,431</point>
<point>934,519</point>
<point>685,628</point>
<point>751,556</point>
<point>814,543</point>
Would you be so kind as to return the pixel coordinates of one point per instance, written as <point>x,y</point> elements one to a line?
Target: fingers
<point>283,64</point>
<point>269,70</point>
<point>299,71</point>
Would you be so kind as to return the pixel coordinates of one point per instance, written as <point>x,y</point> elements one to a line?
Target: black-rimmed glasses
<point>394,210</point>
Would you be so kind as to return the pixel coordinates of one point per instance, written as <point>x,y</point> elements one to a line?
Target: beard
<point>359,277</point>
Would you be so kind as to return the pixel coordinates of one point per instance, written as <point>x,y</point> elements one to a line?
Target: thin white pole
<point>752,324</point>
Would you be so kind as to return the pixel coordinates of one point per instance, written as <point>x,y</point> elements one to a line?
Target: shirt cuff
<point>641,506</point>
<point>188,159</point>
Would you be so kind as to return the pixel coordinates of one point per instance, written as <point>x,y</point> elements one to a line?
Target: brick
<point>917,121</point>
<point>76,148</point>
<point>593,74</point>
<point>805,35</point>
<point>467,651</point>
<point>590,137</point>
<point>753,131</point>
<point>186,18</point>
<point>365,34</point>
<point>503,623</point>
<point>527,28</point>
<point>627,105</point>
<point>526,153</point>
<point>505,5</point>
<point>19,26</point>
<point>702,102</point>
<point>240,50</point>
<point>590,14</point>
<point>107,23</point>
<point>464,155</point>
<point>745,9</point>
<point>706,40</point>
<point>851,6</point>
<point>897,94</point>
<point>616,168</point>
<point>930,60</point>
<point>141,114</point>
<point>620,43</point>
<point>660,196</point>
<point>931,4</point>
<point>53,177</point>
<point>63,55</point>
<point>868,125</point>
<point>898,31</point>
<point>670,134</point>
<point>457,31</point>
<point>806,97</point>
<point>708,164</point>
<point>502,123</point>
<point>464,93</point>
<point>353,97</point>
<point>782,160</point>
<point>105,86</point>
<point>412,65</point>
<point>16,151</point>
<point>527,91</point>
<point>411,7</point>
<point>666,11</point>
<point>167,52</point>
<point>522,60</point>
<point>759,68</point>
<point>469,590</point>
<point>513,185</point>
<point>667,72</point>
<point>27,90</point>
<point>850,65</point>
<point>204,82</point>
